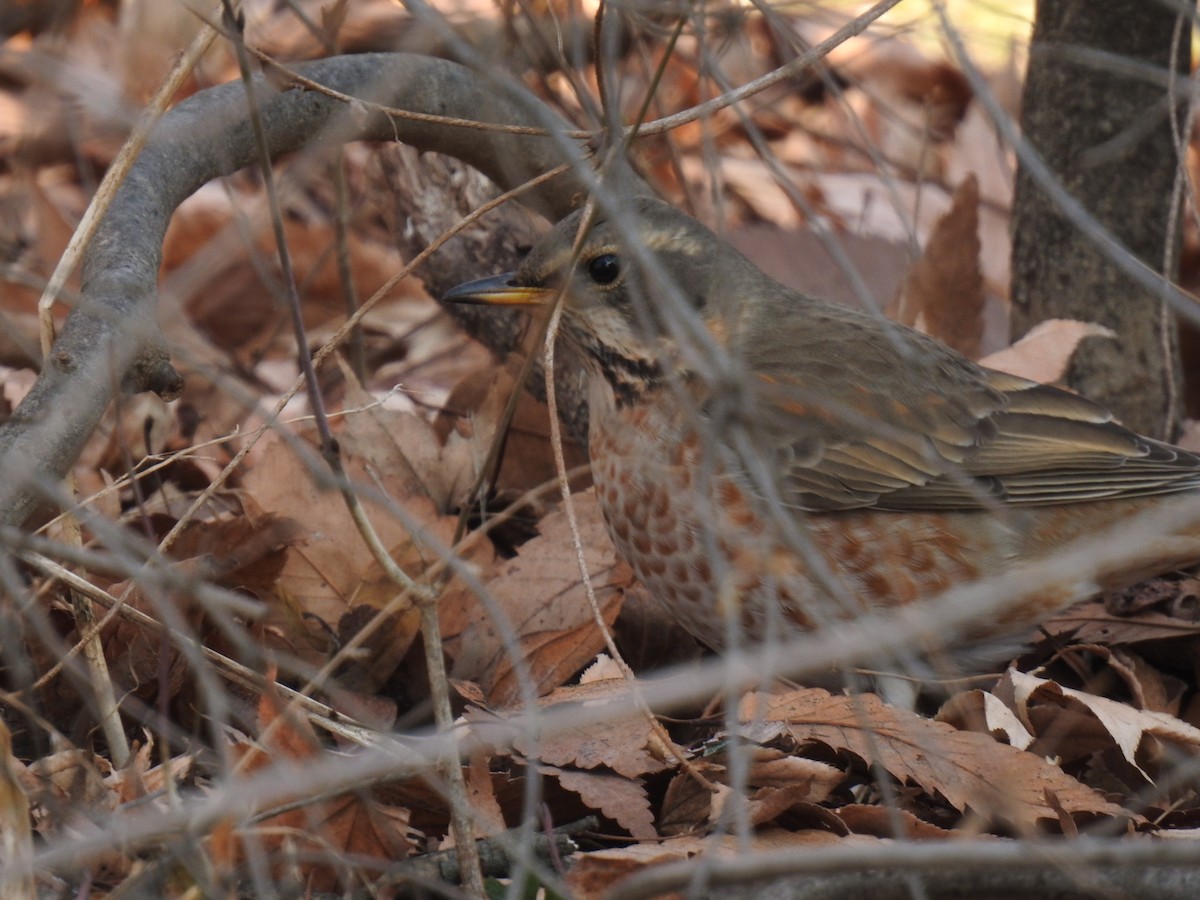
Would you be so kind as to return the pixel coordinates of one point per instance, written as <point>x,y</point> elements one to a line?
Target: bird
<point>769,462</point>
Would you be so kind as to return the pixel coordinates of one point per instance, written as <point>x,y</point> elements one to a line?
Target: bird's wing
<point>874,415</point>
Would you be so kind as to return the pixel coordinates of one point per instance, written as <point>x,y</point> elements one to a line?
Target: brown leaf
<point>331,570</point>
<point>541,596</point>
<point>597,874</point>
<point>390,441</point>
<point>971,771</point>
<point>224,290</point>
<point>621,799</point>
<point>772,768</point>
<point>139,778</point>
<point>362,703</point>
<point>68,793</point>
<point>1147,686</point>
<point>317,840</point>
<point>1125,726</point>
<point>1045,352</point>
<point>350,824</point>
<point>881,821</point>
<point>1092,623</point>
<point>984,712</point>
<point>333,17</point>
<point>781,783</point>
<point>467,426</point>
<point>802,261</point>
<point>943,292</point>
<point>68,781</point>
<point>14,385</point>
<point>774,803</point>
<point>148,667</point>
<point>486,814</point>
<point>628,745</point>
<point>236,553</point>
<point>594,875</point>
<point>914,100</point>
<point>220,546</point>
<point>688,805</point>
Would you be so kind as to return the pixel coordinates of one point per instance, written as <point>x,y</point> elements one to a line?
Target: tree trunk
<point>1105,79</point>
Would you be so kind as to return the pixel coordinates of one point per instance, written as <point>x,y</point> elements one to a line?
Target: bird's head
<point>648,293</point>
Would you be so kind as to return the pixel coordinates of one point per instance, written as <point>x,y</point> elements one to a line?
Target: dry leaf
<point>331,570</point>
<point>915,101</point>
<point>486,814</point>
<point>1126,726</point>
<point>985,712</point>
<point>15,384</point>
<point>398,444</point>
<point>221,279</point>
<point>69,793</point>
<point>621,799</point>
<point>467,426</point>
<point>971,771</point>
<point>688,805</point>
<point>881,821</point>
<point>598,874</point>
<point>594,875</point>
<point>943,292</point>
<point>1092,623</point>
<point>352,824</point>
<point>772,768</point>
<point>1045,352</point>
<point>141,778</point>
<point>541,596</point>
<point>1147,686</point>
<point>802,260</point>
<point>771,804</point>
<point>627,745</point>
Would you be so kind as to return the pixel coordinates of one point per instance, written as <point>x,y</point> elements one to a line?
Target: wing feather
<point>910,425</point>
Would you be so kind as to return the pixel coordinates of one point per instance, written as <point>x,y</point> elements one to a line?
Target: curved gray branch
<point>112,342</point>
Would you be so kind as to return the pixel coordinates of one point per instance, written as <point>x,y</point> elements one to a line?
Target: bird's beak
<point>498,291</point>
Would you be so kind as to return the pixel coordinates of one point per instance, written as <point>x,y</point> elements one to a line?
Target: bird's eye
<point>604,269</point>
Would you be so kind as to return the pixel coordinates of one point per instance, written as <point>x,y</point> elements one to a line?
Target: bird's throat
<point>631,378</point>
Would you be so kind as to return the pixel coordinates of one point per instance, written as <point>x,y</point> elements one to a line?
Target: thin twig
<point>295,79</point>
<point>560,467</point>
<point>108,709</point>
<point>332,720</point>
<point>854,27</point>
<point>461,823</point>
<point>114,176</point>
<point>341,231</point>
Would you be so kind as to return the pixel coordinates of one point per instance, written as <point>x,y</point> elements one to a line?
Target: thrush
<point>768,461</point>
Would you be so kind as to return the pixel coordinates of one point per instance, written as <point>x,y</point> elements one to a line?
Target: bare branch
<point>112,341</point>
